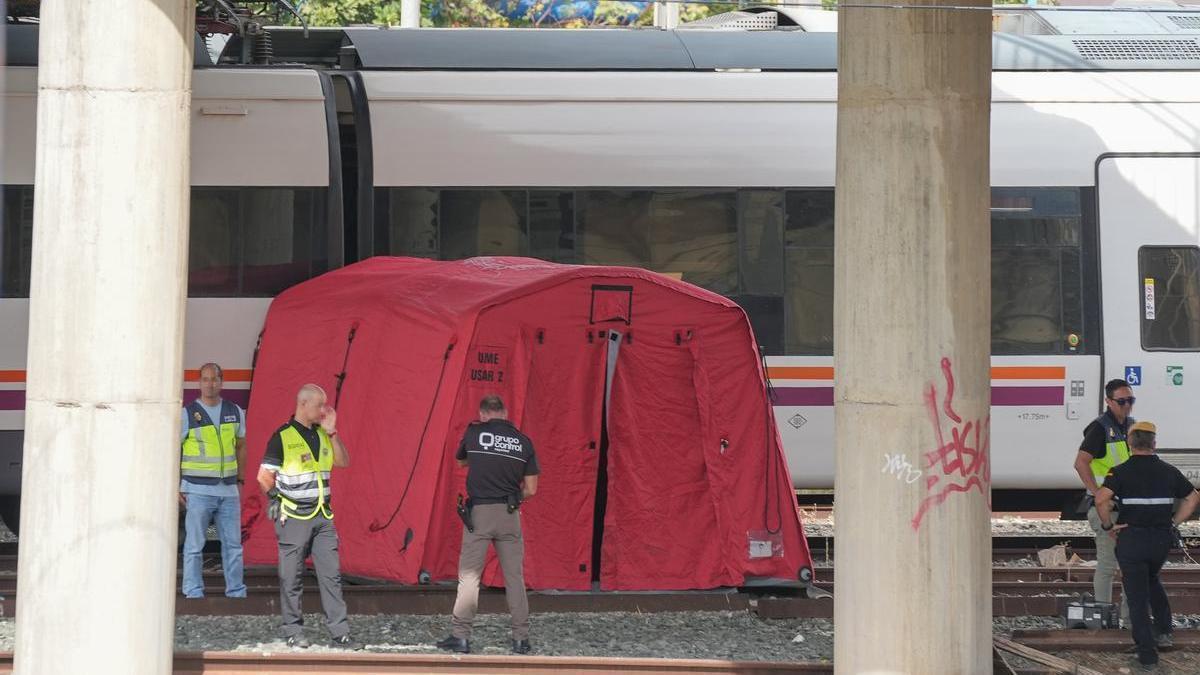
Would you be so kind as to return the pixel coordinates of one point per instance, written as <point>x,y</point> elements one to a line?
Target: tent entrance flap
<point>611,353</point>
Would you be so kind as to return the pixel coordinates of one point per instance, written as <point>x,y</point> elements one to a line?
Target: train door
<point>1149,216</point>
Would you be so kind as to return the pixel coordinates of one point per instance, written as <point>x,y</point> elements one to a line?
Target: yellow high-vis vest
<point>303,480</point>
<point>1115,445</point>
<point>209,451</point>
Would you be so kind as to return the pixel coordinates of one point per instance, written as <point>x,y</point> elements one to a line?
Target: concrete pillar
<point>410,13</point>
<point>912,341</point>
<point>666,15</point>
<point>96,582</point>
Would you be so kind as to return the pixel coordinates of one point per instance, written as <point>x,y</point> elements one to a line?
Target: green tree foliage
<point>479,13</point>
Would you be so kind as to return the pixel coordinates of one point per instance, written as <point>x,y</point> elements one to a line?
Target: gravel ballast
<point>735,636</point>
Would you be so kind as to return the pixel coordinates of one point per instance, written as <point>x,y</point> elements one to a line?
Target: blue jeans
<point>201,509</point>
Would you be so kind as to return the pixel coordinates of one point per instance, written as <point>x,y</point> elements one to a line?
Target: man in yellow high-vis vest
<point>1104,446</point>
<point>212,454</point>
<point>295,475</point>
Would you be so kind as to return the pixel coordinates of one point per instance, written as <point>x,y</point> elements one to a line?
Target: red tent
<point>644,398</point>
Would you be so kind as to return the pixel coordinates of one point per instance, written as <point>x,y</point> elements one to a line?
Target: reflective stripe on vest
<point>1116,449</point>
<point>210,448</point>
<point>303,480</point>
<point>1149,501</point>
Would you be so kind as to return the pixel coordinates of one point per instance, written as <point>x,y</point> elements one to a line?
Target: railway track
<point>239,663</point>
<point>1015,592</point>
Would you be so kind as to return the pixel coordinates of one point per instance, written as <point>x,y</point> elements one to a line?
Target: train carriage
<point>706,155</point>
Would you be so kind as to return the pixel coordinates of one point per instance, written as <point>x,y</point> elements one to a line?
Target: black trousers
<point>1141,552</point>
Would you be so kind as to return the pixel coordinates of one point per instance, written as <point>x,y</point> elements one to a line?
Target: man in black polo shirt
<point>1147,488</point>
<point>502,470</point>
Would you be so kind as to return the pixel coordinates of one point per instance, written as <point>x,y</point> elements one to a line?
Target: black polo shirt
<point>498,458</point>
<point>273,457</point>
<point>1147,488</point>
<point>1094,441</point>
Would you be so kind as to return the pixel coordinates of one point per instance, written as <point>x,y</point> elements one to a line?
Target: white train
<point>705,154</point>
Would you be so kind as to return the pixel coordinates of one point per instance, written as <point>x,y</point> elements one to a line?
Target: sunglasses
<point>1124,401</point>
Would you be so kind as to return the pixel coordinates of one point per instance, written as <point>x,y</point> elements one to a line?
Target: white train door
<point>1149,217</point>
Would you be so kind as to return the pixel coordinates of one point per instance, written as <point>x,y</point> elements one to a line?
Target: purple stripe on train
<point>14,399</point>
<point>1005,396</point>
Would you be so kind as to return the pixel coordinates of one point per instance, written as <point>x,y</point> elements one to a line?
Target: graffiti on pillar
<point>899,466</point>
<point>959,464</point>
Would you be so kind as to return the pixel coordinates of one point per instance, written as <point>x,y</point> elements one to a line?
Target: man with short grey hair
<point>295,475</point>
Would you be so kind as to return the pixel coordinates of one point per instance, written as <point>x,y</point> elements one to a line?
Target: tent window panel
<point>16,240</point>
<point>1037,282</point>
<point>552,225</point>
<point>808,300</point>
<point>1170,297</point>
<point>688,234</point>
<point>255,242</point>
<point>482,222</point>
<point>410,226</point>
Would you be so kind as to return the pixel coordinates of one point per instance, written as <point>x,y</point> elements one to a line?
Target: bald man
<point>295,476</point>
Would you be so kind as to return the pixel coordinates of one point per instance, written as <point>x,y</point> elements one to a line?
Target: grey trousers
<point>495,525</point>
<point>1106,564</point>
<point>297,540</point>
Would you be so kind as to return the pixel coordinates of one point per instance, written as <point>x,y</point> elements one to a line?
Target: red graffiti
<point>963,463</point>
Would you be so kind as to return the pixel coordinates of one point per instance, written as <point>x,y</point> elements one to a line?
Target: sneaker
<point>346,642</point>
<point>521,647</point>
<point>1165,641</point>
<point>455,644</point>
<point>298,642</point>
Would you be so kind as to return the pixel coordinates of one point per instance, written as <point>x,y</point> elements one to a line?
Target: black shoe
<point>346,642</point>
<point>455,644</point>
<point>298,641</point>
<point>521,647</point>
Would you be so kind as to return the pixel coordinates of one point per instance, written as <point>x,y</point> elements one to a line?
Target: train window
<point>688,233</point>
<point>482,222</point>
<point>410,218</point>
<point>212,244</point>
<point>761,265</point>
<point>552,225</point>
<point>1036,269</point>
<point>760,218</point>
<point>16,240</point>
<point>255,241</point>
<point>455,224</point>
<point>809,260</point>
<point>1169,295</point>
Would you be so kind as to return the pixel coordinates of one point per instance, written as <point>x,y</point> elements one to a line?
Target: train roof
<point>21,46</point>
<point>487,49</point>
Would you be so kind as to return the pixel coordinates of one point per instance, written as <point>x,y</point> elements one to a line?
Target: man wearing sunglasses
<point>1104,447</point>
